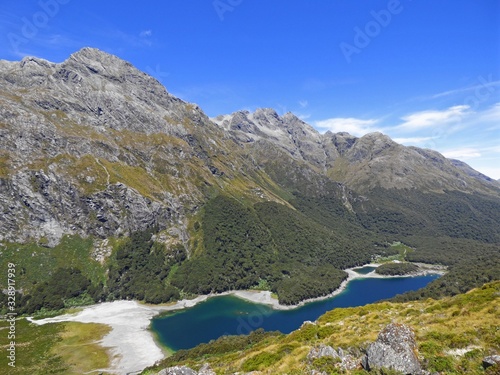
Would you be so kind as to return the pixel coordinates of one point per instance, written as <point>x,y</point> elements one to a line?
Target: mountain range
<point>95,151</point>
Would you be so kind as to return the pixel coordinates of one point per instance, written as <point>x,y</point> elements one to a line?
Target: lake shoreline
<point>264,297</point>
<point>132,344</point>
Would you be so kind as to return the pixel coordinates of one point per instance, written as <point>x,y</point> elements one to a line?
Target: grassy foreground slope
<point>61,348</point>
<point>453,335</point>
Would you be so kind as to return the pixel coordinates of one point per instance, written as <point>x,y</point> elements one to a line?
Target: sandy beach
<point>131,344</point>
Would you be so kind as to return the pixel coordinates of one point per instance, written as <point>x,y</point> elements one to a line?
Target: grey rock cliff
<point>93,146</point>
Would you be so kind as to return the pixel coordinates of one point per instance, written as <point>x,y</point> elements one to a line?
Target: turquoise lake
<point>229,315</point>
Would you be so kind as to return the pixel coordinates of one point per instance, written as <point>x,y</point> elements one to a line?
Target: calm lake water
<point>229,315</point>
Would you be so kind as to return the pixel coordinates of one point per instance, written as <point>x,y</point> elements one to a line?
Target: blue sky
<point>427,73</point>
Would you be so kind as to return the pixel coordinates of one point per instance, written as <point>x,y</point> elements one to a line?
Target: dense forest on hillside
<point>296,251</point>
<point>461,277</point>
<point>244,245</point>
<point>140,270</point>
<point>414,213</point>
<point>321,231</point>
<point>238,251</point>
<point>66,287</point>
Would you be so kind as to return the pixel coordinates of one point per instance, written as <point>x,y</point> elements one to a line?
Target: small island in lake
<point>397,269</point>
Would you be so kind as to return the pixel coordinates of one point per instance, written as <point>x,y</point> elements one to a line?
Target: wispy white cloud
<point>485,83</point>
<point>462,153</point>
<point>492,114</point>
<point>431,118</point>
<point>354,126</point>
<point>413,140</point>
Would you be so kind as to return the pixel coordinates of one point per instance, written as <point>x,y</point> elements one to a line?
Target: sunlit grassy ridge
<point>453,335</point>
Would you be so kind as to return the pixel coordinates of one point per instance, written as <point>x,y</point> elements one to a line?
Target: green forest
<point>244,245</point>
<point>393,269</point>
<point>297,251</point>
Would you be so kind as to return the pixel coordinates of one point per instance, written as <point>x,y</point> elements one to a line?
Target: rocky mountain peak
<point>377,138</point>
<point>266,126</point>
<point>372,145</point>
<point>265,113</point>
<point>94,55</point>
<point>341,142</point>
<point>91,61</point>
<point>290,116</point>
<point>31,62</point>
<point>94,88</point>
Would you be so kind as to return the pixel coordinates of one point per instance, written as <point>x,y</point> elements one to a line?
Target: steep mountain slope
<point>93,150</point>
<point>94,146</point>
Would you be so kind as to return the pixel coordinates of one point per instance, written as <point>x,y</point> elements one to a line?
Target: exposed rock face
<point>93,146</point>
<point>206,370</point>
<point>177,370</point>
<point>322,351</point>
<point>363,164</point>
<point>394,349</point>
<point>492,360</point>
<point>342,359</point>
<point>470,171</point>
<point>183,370</point>
<point>288,132</point>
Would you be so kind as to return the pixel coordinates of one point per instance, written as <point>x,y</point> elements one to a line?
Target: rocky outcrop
<point>340,358</point>
<point>395,349</point>
<point>177,370</point>
<point>183,370</point>
<point>288,132</point>
<point>322,351</point>
<point>492,360</point>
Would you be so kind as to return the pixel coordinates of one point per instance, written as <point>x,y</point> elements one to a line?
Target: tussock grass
<point>79,347</point>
